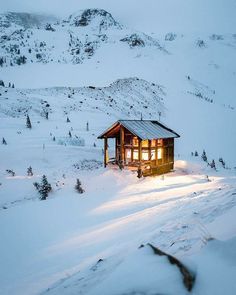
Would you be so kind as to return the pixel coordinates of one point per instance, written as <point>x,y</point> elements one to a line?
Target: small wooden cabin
<point>143,145</point>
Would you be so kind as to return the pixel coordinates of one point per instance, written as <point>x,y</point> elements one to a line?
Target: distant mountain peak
<point>100,17</point>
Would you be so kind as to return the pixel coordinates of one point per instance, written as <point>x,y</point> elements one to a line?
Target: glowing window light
<point>159,154</point>
<point>153,154</point>
<point>135,154</point>
<point>145,155</point>
<point>128,153</point>
<point>144,143</point>
<point>153,142</point>
<point>135,141</point>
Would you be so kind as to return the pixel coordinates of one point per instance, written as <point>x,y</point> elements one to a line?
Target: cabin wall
<point>157,156</point>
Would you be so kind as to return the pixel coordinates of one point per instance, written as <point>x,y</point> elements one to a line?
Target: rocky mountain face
<point>28,38</point>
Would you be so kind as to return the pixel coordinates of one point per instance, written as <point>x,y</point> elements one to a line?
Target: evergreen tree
<point>78,187</point>
<point>13,86</point>
<point>54,138</point>
<point>30,171</point>
<point>28,122</point>
<point>46,115</point>
<point>94,144</point>
<point>196,154</point>
<point>204,156</point>
<point>9,85</point>
<point>70,135</point>
<point>87,126</point>
<point>44,188</point>
<point>68,120</point>
<point>222,162</point>
<point>213,165</point>
<point>4,141</point>
<point>2,83</point>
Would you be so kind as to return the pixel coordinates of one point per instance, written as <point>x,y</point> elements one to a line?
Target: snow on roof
<point>144,129</point>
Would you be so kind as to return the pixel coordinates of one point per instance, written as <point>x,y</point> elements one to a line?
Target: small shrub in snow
<point>139,173</point>
<point>70,135</point>
<point>170,37</point>
<point>4,141</point>
<point>213,165</point>
<point>30,171</point>
<point>28,122</point>
<point>44,188</point>
<point>67,120</point>
<point>54,138</point>
<point>207,178</point>
<point>201,44</point>
<point>46,115</point>
<point>11,172</point>
<point>78,187</point>
<point>222,162</point>
<point>204,156</point>
<point>94,144</point>
<point>196,154</point>
<point>2,83</point>
<point>87,126</point>
<point>49,27</point>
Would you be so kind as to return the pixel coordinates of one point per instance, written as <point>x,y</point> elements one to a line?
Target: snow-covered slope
<point>29,38</point>
<point>90,68</point>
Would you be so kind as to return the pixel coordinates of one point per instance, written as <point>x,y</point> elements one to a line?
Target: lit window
<point>145,155</point>
<point>153,154</point>
<point>153,142</point>
<point>159,154</point>
<point>128,153</point>
<point>135,154</point>
<point>145,143</point>
<point>135,141</point>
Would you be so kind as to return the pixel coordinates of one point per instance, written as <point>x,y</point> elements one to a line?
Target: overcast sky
<point>145,15</point>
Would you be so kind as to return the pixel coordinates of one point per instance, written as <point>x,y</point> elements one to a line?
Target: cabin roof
<point>144,129</point>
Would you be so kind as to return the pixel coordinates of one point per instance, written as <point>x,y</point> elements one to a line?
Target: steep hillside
<point>69,79</point>
<point>29,38</point>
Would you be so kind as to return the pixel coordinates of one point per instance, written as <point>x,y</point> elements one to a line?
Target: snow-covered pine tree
<point>9,85</point>
<point>67,120</point>
<point>70,135</point>
<point>78,187</point>
<point>87,126</point>
<point>196,154</point>
<point>2,83</point>
<point>44,188</point>
<point>212,164</point>
<point>13,86</point>
<point>4,141</point>
<point>28,122</point>
<point>222,162</point>
<point>30,171</point>
<point>204,156</point>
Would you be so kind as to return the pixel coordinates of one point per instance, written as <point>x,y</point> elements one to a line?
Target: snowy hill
<point>76,75</point>
<point>29,38</point>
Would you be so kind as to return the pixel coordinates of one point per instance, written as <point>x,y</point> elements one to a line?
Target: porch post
<point>105,152</point>
<point>139,150</point>
<point>122,135</point>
